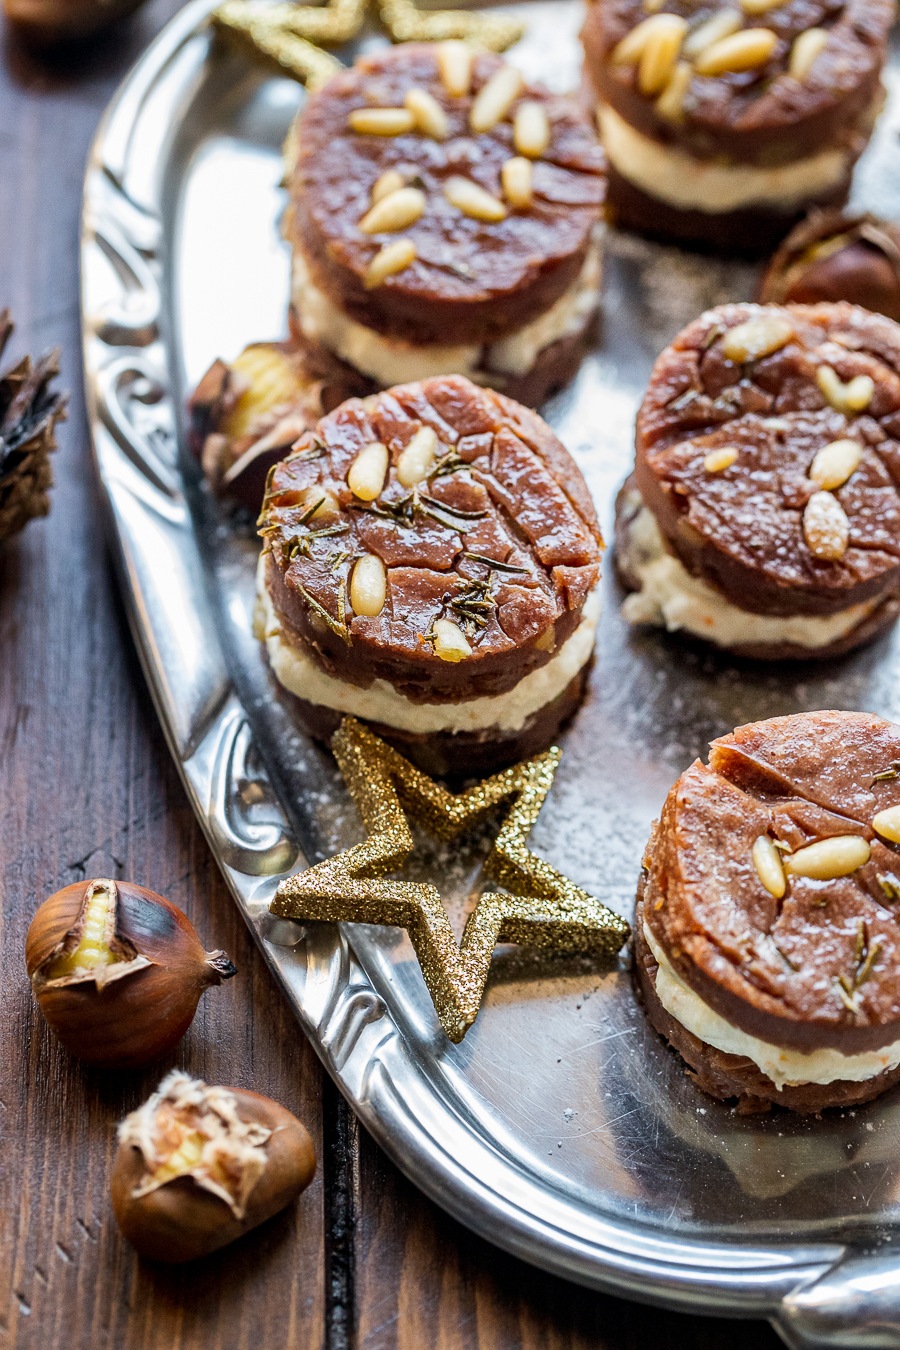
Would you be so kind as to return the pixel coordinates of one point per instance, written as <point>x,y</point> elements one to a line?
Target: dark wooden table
<point>87,789</point>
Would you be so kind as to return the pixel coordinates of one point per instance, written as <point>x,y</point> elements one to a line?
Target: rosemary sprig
<point>495,565</point>
<point>890,886</point>
<point>471,606</point>
<point>865,955</point>
<point>337,625</point>
<point>303,545</point>
<point>315,451</point>
<point>404,510</point>
<point>448,463</point>
<point>452,510</point>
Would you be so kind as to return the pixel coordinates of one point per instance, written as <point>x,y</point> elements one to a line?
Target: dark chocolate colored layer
<point>733,1077</point>
<point>784,970</point>
<point>762,116</point>
<point>555,366</point>
<point>472,281</point>
<point>747,232</point>
<point>463,754</point>
<point>742,529</point>
<point>504,489</point>
<point>867,630</point>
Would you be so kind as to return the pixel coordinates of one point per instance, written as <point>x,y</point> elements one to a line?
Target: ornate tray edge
<point>816,1295</point>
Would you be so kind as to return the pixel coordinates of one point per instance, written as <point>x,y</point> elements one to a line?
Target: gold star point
<point>289,36</point>
<point>542,909</point>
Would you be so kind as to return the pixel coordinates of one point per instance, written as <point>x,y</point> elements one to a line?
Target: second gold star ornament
<point>539,908</point>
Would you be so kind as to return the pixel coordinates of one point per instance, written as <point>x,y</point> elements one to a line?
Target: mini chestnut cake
<point>767,947</point>
<point>724,122</point>
<point>444,219</point>
<point>763,515</point>
<point>431,565</point>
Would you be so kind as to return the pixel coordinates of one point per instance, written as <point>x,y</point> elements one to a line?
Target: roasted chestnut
<point>833,256</point>
<point>118,971</point>
<point>244,417</point>
<point>198,1166</point>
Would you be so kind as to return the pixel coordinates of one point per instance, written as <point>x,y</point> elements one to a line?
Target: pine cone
<point>29,413</point>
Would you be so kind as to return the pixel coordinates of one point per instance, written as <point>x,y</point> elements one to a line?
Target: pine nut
<point>494,99</point>
<point>629,51</point>
<point>368,586</point>
<point>388,261</point>
<point>657,60</point>
<point>854,396</point>
<point>368,471</point>
<point>826,527</point>
<point>721,25</point>
<point>717,461</point>
<point>417,460</point>
<point>328,503</point>
<point>670,104</point>
<point>747,50</point>
<point>754,7</point>
<point>805,51</point>
<point>391,180</point>
<point>380,121</point>
<point>516,177</point>
<point>769,869</point>
<point>835,463</point>
<point>472,200</point>
<point>757,337</point>
<point>450,642</point>
<point>430,117</point>
<point>887,824</point>
<point>531,129</point>
<point>455,61</point>
<point>828,859</point>
<point>397,211</point>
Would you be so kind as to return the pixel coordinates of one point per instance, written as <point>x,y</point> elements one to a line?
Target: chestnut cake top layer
<point>487,248</point>
<point>768,448</point>
<point>785,931</point>
<point>452,550</point>
<point>759,81</point>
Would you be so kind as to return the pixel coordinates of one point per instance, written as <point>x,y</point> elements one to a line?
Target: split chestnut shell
<point>118,971</point>
<point>198,1166</point>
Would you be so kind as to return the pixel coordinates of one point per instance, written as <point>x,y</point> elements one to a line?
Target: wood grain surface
<point>87,789</point>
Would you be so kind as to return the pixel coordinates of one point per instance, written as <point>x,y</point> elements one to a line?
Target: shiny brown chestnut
<point>118,971</point>
<point>198,1166</point>
<point>834,256</point>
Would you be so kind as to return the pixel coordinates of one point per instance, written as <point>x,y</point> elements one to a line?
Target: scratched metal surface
<point>561,1127</point>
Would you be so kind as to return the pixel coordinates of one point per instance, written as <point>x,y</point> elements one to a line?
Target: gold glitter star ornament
<point>287,35</point>
<point>544,909</point>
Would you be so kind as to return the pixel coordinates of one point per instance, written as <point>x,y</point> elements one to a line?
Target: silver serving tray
<point>561,1128</point>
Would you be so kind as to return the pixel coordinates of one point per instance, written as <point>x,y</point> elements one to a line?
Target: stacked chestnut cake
<point>431,565</point>
<point>763,514</point>
<point>766,934</point>
<point>444,218</point>
<point>725,122</point>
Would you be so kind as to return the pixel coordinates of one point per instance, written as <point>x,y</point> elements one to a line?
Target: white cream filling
<point>380,701</point>
<point>391,361</point>
<point>671,598</point>
<point>692,184</point>
<point>786,1068</point>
